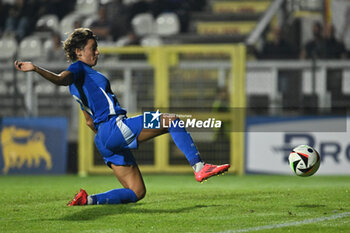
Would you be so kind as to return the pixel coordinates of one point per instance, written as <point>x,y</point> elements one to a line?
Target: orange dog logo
<point>31,151</point>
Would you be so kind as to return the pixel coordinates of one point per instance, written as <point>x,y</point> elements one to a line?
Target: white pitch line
<point>288,224</point>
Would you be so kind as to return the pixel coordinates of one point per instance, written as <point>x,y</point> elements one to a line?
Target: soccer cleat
<point>79,199</point>
<point>210,170</point>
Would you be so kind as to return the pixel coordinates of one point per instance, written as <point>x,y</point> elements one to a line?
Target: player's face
<point>89,55</point>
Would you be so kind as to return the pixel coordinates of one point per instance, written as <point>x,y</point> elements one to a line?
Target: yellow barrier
<point>225,28</point>
<point>162,58</point>
<point>240,6</point>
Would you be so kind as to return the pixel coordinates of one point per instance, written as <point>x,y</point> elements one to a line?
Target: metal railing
<point>260,27</point>
<point>261,77</point>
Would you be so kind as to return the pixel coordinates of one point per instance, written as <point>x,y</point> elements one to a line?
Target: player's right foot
<point>79,199</point>
<point>210,170</point>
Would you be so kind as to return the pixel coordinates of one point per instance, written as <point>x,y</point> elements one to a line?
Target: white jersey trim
<point>110,103</point>
<point>86,108</point>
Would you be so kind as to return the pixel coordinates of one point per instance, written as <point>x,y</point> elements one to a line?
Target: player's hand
<point>24,66</point>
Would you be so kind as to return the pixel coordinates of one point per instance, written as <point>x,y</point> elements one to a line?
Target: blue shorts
<point>116,137</point>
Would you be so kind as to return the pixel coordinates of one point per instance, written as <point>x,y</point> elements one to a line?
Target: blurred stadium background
<point>253,62</point>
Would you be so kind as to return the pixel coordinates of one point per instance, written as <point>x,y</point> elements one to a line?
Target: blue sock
<point>184,142</point>
<point>114,196</point>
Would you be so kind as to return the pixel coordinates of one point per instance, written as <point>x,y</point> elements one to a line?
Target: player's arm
<point>65,78</point>
<point>89,121</point>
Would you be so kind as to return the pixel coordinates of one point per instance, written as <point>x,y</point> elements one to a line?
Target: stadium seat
<point>63,90</point>
<point>129,2</point>
<point>151,41</point>
<point>48,22</point>
<point>86,7</point>
<point>89,20</point>
<point>3,87</point>
<point>143,24</point>
<point>122,41</point>
<point>67,24</point>
<point>30,48</point>
<point>8,48</point>
<point>44,88</point>
<point>167,24</point>
<point>47,45</point>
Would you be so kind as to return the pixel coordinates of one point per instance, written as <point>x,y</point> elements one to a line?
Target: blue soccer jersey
<point>93,92</point>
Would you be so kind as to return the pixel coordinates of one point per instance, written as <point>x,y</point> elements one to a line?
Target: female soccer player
<point>116,134</point>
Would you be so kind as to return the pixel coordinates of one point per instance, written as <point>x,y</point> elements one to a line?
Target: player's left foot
<point>210,170</point>
<point>79,199</point>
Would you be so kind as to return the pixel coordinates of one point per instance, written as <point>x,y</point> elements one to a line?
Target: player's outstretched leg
<point>210,170</point>
<point>184,142</point>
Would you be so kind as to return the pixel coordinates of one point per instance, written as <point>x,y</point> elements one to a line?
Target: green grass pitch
<point>177,203</point>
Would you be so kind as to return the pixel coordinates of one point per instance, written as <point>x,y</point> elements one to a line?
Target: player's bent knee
<point>140,193</point>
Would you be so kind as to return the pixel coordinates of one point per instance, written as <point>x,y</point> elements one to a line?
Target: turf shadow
<point>94,212</point>
<point>310,206</point>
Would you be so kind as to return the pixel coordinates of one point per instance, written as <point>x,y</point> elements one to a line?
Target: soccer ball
<point>304,160</point>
